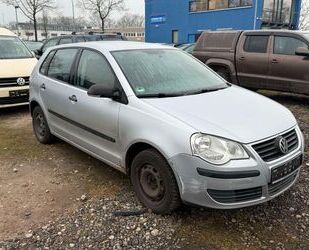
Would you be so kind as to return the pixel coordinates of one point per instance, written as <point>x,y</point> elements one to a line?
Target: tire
<point>154,182</point>
<point>40,127</point>
<point>224,74</point>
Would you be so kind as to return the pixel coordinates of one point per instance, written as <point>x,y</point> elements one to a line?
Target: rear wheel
<point>154,182</point>
<point>40,127</point>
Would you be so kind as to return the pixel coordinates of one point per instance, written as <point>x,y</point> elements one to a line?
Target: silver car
<point>165,119</point>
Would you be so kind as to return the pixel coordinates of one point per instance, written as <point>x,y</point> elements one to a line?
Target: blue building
<point>182,21</point>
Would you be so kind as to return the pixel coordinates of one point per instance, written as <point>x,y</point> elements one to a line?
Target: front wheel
<point>40,127</point>
<point>154,182</point>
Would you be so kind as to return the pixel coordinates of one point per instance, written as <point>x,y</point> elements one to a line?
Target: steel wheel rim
<point>151,183</point>
<point>40,125</point>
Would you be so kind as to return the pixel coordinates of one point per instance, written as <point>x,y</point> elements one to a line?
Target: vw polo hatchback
<point>16,65</point>
<point>165,119</point>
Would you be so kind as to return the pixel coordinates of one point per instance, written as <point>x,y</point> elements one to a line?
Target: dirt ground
<point>39,184</point>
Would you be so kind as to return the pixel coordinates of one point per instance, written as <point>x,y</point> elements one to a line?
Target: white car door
<point>54,89</point>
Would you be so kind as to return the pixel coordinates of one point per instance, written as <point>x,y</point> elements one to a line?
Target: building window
<point>204,5</point>
<point>277,11</point>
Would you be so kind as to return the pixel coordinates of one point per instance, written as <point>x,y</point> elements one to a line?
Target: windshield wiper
<point>202,91</point>
<point>160,95</point>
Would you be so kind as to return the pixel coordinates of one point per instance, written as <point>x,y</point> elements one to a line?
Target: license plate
<point>289,167</point>
<point>19,93</point>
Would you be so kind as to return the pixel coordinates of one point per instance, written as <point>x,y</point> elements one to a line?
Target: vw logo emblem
<point>21,81</point>
<point>283,145</point>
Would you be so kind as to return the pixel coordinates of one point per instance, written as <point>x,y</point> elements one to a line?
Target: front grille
<point>234,196</point>
<point>12,82</point>
<point>15,100</point>
<point>281,185</point>
<point>269,151</point>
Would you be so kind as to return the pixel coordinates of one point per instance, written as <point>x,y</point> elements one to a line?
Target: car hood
<point>16,67</point>
<point>233,113</point>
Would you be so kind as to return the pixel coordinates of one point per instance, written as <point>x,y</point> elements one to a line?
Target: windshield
<point>166,72</point>
<point>13,48</point>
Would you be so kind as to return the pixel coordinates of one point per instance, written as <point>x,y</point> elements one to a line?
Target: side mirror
<point>302,51</point>
<point>99,90</point>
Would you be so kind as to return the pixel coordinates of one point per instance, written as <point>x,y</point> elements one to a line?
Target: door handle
<point>43,87</point>
<point>242,58</point>
<point>73,98</point>
<point>274,61</point>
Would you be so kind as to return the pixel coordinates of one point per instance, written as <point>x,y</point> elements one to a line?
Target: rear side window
<point>46,63</point>
<point>287,45</point>
<point>256,44</point>
<point>65,40</point>
<point>61,64</point>
<point>94,69</point>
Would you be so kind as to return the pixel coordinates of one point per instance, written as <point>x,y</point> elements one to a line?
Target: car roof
<point>6,32</point>
<point>116,45</point>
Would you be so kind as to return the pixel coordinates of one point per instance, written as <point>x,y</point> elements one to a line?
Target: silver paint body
<point>168,124</point>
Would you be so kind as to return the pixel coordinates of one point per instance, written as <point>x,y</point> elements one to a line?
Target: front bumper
<point>7,100</point>
<point>240,183</point>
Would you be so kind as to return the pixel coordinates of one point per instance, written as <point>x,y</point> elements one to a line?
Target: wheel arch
<point>136,148</point>
<point>225,64</point>
<point>32,105</point>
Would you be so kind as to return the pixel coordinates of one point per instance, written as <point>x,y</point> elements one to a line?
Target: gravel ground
<point>96,217</point>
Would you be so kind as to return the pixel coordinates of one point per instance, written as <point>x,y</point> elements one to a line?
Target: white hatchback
<point>173,125</point>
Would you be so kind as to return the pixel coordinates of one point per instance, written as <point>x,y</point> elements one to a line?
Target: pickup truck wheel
<point>40,127</point>
<point>154,182</point>
<point>224,74</point>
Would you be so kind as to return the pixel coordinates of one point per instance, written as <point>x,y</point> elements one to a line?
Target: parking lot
<point>56,196</point>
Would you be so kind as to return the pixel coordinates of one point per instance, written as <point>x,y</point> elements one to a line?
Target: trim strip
<point>228,175</point>
<point>90,130</point>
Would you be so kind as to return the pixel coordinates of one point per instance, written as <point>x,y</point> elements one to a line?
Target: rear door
<point>253,60</point>
<point>288,71</point>
<point>95,120</point>
<point>55,88</point>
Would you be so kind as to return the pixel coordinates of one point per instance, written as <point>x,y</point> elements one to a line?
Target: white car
<point>16,65</point>
<point>173,125</point>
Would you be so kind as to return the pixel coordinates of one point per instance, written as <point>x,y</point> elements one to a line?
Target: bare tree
<point>31,9</point>
<point>102,8</point>
<point>304,16</point>
<point>131,20</point>
<point>45,22</point>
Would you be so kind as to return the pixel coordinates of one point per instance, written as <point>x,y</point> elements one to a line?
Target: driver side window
<point>287,45</point>
<point>94,69</point>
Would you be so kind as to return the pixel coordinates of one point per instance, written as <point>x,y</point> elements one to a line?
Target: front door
<point>252,61</point>
<point>288,71</point>
<point>95,119</point>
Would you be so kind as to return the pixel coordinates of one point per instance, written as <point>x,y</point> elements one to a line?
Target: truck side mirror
<point>301,51</point>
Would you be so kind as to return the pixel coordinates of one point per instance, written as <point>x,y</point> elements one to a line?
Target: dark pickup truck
<point>265,59</point>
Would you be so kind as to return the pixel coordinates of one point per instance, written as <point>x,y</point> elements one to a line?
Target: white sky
<point>7,13</point>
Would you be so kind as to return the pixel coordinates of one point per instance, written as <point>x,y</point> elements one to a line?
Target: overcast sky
<point>7,14</point>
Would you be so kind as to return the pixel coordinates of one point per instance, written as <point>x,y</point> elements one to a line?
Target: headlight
<point>216,150</point>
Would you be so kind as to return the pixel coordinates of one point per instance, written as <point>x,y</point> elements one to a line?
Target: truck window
<point>256,44</point>
<point>287,45</point>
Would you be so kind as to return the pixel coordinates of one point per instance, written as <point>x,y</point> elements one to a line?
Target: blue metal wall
<point>163,16</point>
